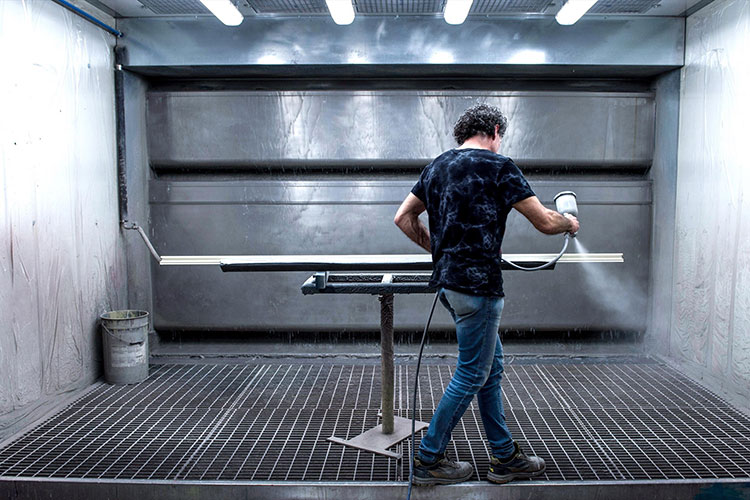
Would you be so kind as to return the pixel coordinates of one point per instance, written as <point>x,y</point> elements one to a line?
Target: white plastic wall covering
<point>711,311</point>
<point>61,255</point>
<point>739,348</point>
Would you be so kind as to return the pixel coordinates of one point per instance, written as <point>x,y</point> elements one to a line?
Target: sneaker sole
<point>506,478</point>
<point>432,481</point>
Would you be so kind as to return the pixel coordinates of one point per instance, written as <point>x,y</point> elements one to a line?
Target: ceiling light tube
<point>573,10</point>
<point>342,11</point>
<point>456,11</point>
<point>225,11</point>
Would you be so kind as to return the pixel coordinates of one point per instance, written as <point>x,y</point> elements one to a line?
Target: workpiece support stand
<point>386,362</point>
<point>392,430</point>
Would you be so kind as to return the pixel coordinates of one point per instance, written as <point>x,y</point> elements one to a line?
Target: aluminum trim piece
<point>416,262</point>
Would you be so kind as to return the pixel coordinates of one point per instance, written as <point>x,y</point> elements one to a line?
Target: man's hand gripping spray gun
<point>565,202</point>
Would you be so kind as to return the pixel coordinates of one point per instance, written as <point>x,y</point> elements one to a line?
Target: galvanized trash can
<point>125,342</point>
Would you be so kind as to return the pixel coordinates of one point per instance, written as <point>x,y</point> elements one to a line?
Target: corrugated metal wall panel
<point>343,129</point>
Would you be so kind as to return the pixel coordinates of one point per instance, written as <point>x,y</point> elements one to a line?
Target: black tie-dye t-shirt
<point>468,194</point>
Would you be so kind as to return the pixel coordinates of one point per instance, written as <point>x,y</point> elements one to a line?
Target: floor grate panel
<point>269,422</point>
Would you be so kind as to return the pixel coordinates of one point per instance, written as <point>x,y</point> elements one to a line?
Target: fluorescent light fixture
<point>442,57</point>
<point>342,11</point>
<point>528,56</point>
<point>225,11</point>
<point>573,10</point>
<point>270,59</point>
<point>355,58</point>
<point>456,11</point>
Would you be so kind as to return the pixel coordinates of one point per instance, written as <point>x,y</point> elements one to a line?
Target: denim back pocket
<point>461,303</point>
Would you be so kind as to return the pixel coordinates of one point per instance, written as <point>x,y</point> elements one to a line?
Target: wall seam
<point>675,240</point>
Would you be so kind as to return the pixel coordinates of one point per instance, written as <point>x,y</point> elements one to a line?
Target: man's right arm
<point>545,220</point>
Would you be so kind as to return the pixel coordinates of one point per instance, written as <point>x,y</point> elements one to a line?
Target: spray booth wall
<point>199,209</point>
<point>333,204</point>
<point>61,257</point>
<point>710,330</point>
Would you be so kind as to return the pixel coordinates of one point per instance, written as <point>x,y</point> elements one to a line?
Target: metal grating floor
<point>270,421</point>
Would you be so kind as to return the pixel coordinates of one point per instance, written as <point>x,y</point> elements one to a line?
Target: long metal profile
<point>396,262</point>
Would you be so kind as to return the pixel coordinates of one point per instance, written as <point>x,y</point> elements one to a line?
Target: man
<point>468,193</point>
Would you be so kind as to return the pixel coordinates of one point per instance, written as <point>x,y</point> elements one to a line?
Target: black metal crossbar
<point>366,283</point>
<point>377,263</point>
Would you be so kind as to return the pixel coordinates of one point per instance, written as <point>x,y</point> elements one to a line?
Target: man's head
<point>481,119</point>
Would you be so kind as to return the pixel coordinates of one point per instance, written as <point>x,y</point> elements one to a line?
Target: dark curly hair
<point>479,119</point>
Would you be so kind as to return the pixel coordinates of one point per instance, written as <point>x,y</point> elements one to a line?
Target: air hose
<point>543,266</point>
<point>421,350</point>
<point>414,396</point>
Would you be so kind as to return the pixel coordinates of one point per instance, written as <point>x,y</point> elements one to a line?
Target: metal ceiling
<point>508,6</point>
<point>175,7</point>
<point>397,6</point>
<point>288,6</point>
<point>151,8</point>
<point>623,6</point>
<point>379,7</point>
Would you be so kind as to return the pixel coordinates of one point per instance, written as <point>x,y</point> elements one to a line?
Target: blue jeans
<point>478,372</point>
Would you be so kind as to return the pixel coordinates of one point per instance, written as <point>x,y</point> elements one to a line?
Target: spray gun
<point>565,203</point>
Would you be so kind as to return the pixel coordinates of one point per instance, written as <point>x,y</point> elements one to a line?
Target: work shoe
<point>519,465</point>
<point>443,471</point>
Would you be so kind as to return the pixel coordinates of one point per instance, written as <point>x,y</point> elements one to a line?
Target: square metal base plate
<point>375,441</point>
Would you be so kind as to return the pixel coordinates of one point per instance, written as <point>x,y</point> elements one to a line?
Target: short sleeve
<point>513,185</point>
<point>419,189</point>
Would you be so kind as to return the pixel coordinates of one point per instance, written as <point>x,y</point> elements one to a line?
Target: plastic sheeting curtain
<point>61,258</point>
<point>711,302</point>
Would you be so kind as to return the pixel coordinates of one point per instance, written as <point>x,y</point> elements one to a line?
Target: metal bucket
<point>125,342</point>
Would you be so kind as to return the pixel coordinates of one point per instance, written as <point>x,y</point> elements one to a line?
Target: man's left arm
<point>407,219</point>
